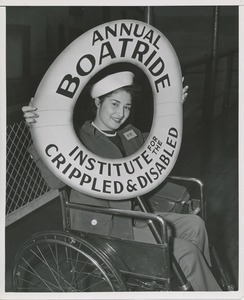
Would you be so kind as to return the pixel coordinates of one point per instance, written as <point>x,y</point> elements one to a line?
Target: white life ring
<point>128,41</point>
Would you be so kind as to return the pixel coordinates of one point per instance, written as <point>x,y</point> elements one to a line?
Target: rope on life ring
<point>127,41</point>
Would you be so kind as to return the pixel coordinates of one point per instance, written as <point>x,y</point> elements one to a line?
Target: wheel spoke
<point>55,257</point>
<point>37,275</point>
<point>73,265</point>
<point>53,272</point>
<point>47,284</point>
<point>59,262</point>
<point>92,286</point>
<point>88,274</point>
<point>50,268</point>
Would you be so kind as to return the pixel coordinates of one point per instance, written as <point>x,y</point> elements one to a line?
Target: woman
<point>107,136</point>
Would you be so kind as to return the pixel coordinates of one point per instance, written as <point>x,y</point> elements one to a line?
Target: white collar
<point>105,133</point>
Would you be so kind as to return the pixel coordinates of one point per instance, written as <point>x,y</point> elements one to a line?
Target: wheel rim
<point>63,263</point>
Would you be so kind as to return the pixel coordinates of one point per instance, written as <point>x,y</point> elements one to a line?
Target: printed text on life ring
<point>119,41</point>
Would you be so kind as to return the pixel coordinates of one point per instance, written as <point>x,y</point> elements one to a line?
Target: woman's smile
<point>113,111</point>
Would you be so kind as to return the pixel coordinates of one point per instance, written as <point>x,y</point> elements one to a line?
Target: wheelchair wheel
<point>61,262</point>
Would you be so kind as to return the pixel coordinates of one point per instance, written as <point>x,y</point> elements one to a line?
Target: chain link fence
<point>24,183</point>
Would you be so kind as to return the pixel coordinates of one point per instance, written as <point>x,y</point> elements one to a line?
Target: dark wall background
<point>36,35</point>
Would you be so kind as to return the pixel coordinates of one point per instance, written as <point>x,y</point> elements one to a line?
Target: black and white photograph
<point>120,150</point>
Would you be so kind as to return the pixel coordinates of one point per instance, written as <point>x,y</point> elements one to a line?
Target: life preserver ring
<point>54,137</point>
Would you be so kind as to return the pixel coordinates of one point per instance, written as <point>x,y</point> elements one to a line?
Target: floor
<point>213,159</point>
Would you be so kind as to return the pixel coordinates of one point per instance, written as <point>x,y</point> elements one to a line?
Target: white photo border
<point>123,295</point>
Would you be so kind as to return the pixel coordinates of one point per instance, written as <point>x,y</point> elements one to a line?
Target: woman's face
<point>113,111</point>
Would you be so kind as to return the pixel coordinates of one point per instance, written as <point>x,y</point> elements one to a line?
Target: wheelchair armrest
<point>188,179</point>
<point>161,237</point>
<point>200,186</point>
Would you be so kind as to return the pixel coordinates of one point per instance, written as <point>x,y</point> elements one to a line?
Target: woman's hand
<point>30,114</point>
<point>184,92</point>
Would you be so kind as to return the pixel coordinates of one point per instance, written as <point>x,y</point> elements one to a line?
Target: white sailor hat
<point>111,83</point>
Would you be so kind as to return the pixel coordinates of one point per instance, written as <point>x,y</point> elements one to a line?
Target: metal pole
<point>149,15</point>
<point>208,105</point>
<point>228,78</point>
<point>215,32</point>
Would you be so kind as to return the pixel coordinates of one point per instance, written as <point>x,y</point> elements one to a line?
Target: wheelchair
<point>75,261</point>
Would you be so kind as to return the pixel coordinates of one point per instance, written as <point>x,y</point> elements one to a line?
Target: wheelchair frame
<point>97,263</point>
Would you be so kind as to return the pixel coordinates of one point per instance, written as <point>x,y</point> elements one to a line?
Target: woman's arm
<point>31,115</point>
